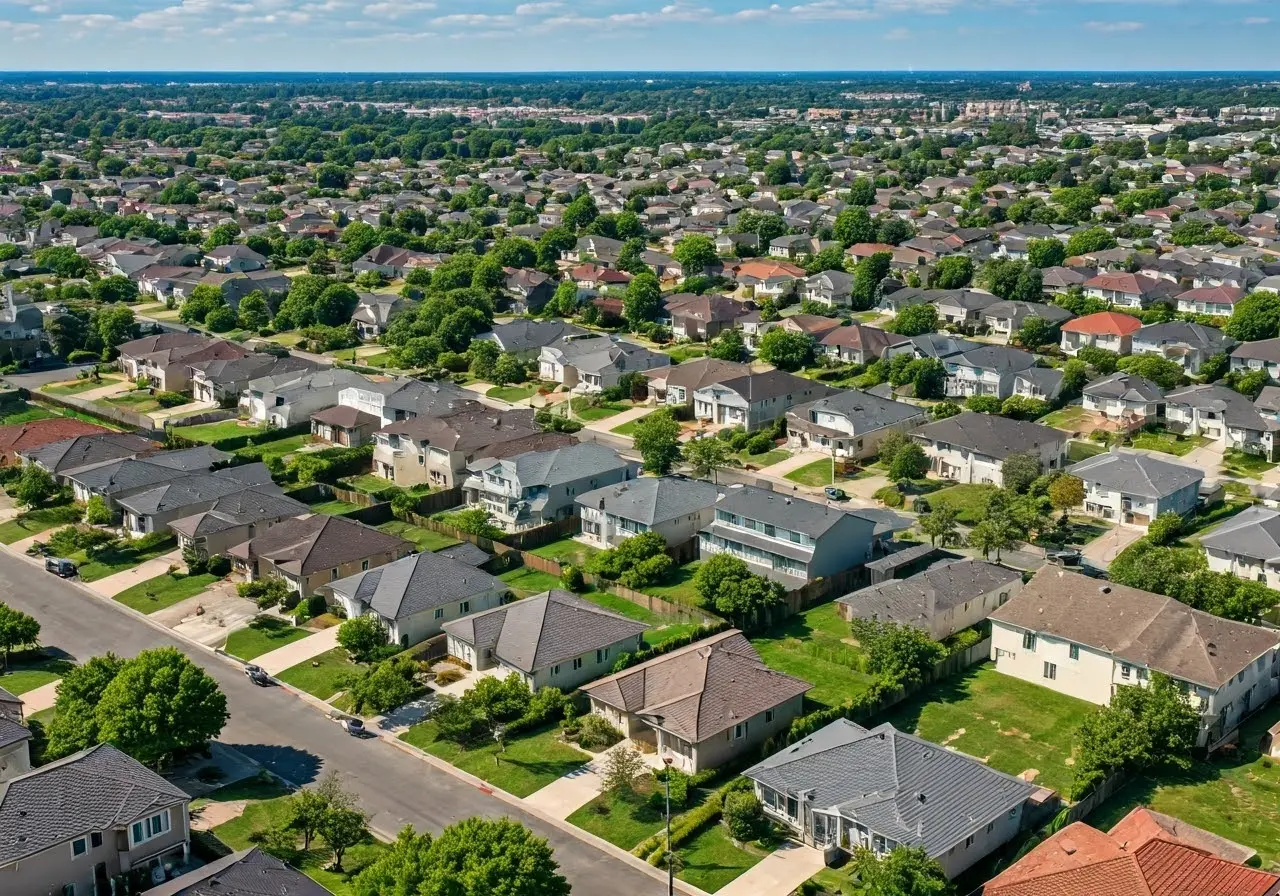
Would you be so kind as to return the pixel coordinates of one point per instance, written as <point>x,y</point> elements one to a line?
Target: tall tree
<point>695,252</point>
<point>707,455</point>
<point>904,871</point>
<point>17,630</point>
<point>75,723</point>
<point>941,524</point>
<point>657,438</point>
<point>642,300</point>
<point>786,349</point>
<point>34,487</point>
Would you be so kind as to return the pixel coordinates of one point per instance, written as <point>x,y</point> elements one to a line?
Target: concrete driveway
<point>299,651</point>
<point>224,612</point>
<point>1207,458</point>
<point>1101,551</point>
<point>778,873</point>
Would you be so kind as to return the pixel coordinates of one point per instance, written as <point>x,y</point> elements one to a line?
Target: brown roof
<point>700,372</point>
<point>700,690</point>
<point>1137,626</point>
<point>303,545</point>
<point>868,339</point>
<point>21,436</point>
<point>346,417</point>
<point>478,430</point>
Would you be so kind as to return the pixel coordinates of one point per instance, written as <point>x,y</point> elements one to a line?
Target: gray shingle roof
<point>916,600</point>
<point>94,790</point>
<point>781,509</point>
<point>1125,386</point>
<point>419,582</point>
<point>650,501</point>
<point>1236,409</point>
<point>990,434</point>
<point>11,732</point>
<point>1000,358</point>
<point>567,464</point>
<point>249,872</point>
<point>197,488</point>
<point>237,509</point>
<point>897,784</point>
<point>84,451</point>
<point>864,411</point>
<point>523,335</point>
<point>303,545</point>
<point>1254,533</point>
<point>1135,473</point>
<point>545,629</point>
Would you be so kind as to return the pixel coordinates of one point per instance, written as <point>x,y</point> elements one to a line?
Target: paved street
<point>295,740</point>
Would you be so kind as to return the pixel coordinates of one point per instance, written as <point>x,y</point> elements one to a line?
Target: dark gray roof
<point>898,785</point>
<point>433,399</point>
<point>1125,386</point>
<point>990,434</point>
<point>251,367</point>
<point>543,630</point>
<point>995,357</point>
<point>1236,409</point>
<point>11,732</point>
<point>781,509</point>
<point>195,488</point>
<point>467,553</point>
<point>133,473</point>
<point>1254,533</point>
<point>249,872</point>
<point>98,789</point>
<point>523,334</point>
<point>650,501</point>
<point>85,451</point>
<point>1182,332</point>
<point>408,586</point>
<point>1262,350</point>
<point>916,600</point>
<point>772,384</point>
<point>941,345</point>
<point>968,299</point>
<point>1268,399</point>
<point>1136,473</point>
<point>1048,379</point>
<point>864,411</point>
<point>565,464</point>
<point>1014,309</point>
<point>250,505</point>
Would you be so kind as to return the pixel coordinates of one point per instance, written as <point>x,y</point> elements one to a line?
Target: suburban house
<point>524,337</point>
<point>224,380</point>
<point>345,426</point>
<point>859,344</point>
<point>849,424</point>
<point>701,318</point>
<point>1129,290</point>
<point>944,599</point>
<point>702,705</point>
<point>165,360</point>
<point>233,519</point>
<point>311,551</point>
<point>250,872</point>
<point>554,639</point>
<point>1074,635</point>
<point>234,258</point>
<point>755,399</point>
<point>675,507</point>
<point>289,399</point>
<point>374,311</point>
<point>1186,344</point>
<point>152,509</point>
<point>596,363</point>
<point>880,788</point>
<point>15,738</point>
<point>403,398</point>
<point>1134,487</point>
<point>1145,852</point>
<point>415,596</point>
<point>1108,330</point>
<point>1040,383</point>
<point>68,456</point>
<point>791,539</point>
<point>391,262</point>
<point>1006,318</point>
<point>1247,545</point>
<point>1261,355</point>
<point>1134,400</point>
<point>989,370</point>
<point>769,277</point>
<point>129,475</point>
<point>540,487</point>
<point>831,288</point>
<point>436,450</point>
<point>963,306</point>
<point>676,385</point>
<point>1216,301</point>
<point>1223,415</point>
<point>17,438</point>
<point>527,290</point>
<point>971,448</point>
<point>77,824</point>
<point>933,345</point>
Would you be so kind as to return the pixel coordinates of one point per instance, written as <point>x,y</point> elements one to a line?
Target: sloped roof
<point>408,586</point>
<point>989,434</point>
<point>917,599</point>
<point>250,505</point>
<point>1136,473</point>
<point>1254,533</point>
<point>652,500</point>
<point>303,545</point>
<point>249,872</point>
<point>25,436</point>
<point>1110,323</point>
<point>1125,387</point>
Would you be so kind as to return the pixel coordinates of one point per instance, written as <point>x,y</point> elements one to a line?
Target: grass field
<point>588,414</point>
<point>33,522</point>
<point>816,474</point>
<point>969,501</point>
<point>1244,465</point>
<point>678,588</point>
<point>760,461</point>
<point>681,353</point>
<point>814,646</point>
<point>1011,725</point>
<point>628,428</point>
<point>216,432</point>
<point>276,447</point>
<point>28,673</point>
<point>1078,450</point>
<point>566,550</point>
<point>1068,418</point>
<point>264,634</point>
<point>367,483</point>
<point>529,762</point>
<point>21,412</point>
<point>326,678</point>
<point>1169,443</point>
<point>711,861</point>
<point>334,507</point>
<point>140,401</point>
<point>663,628</point>
<point>513,393</point>
<point>164,591</point>
<point>425,539</point>
<point>622,820</point>
<point>525,581</point>
<point>75,387</point>
<point>110,562</point>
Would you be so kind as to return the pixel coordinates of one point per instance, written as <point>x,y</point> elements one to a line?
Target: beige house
<point>234,519</point>
<point>345,426</point>
<point>166,360</point>
<point>704,704</point>
<point>311,551</point>
<point>436,450</point>
<point>76,825</point>
<point>1086,638</point>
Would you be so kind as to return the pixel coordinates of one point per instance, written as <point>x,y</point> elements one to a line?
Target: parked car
<point>61,567</point>
<point>835,494</point>
<point>260,678</point>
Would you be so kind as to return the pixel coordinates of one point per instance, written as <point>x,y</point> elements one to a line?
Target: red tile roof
<point>25,436</point>
<point>1110,323</point>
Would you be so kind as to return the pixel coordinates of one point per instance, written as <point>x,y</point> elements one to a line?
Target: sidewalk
<point>565,795</point>
<point>794,462</point>
<point>289,655</point>
<point>778,873</point>
<point>40,698</point>
<point>610,423</point>
<point>122,581</point>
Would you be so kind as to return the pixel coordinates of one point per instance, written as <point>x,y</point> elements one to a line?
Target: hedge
<point>627,660</point>
<point>684,827</point>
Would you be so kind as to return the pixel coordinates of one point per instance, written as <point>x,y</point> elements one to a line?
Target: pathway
<point>794,462</point>
<point>1105,548</point>
<point>110,389</point>
<point>610,423</point>
<point>778,873</point>
<point>122,581</point>
<point>182,410</point>
<point>568,793</point>
<point>40,699</point>
<point>1207,458</point>
<point>299,651</point>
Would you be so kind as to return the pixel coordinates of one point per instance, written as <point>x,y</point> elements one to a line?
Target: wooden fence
<point>143,424</point>
<point>1104,791</point>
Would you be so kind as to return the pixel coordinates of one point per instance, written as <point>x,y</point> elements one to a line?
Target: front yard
<point>140,401</point>
<point>1009,724</point>
<point>75,387</point>
<point>164,591</point>
<point>322,676</point>
<point>587,411</point>
<point>529,762</point>
<point>119,558</point>
<point>969,501</point>
<point>712,861</point>
<point>425,539</point>
<point>1169,443</point>
<point>816,646</point>
<point>815,475</point>
<point>512,394</point>
<point>33,522</point>
<point>1244,465</point>
<point>32,669</point>
<point>760,461</point>
<point>624,820</point>
<point>264,634</point>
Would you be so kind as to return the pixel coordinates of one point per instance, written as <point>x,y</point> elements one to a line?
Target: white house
<point>1134,487</point>
<point>971,448</point>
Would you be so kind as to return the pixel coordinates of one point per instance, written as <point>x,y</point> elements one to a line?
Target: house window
<point>79,847</point>
<point>1050,671</point>
<point>422,460</point>
<point>95,839</point>
<point>577,663</point>
<point>1124,670</point>
<point>439,612</point>
<point>364,565</point>
<point>1028,641</point>
<point>991,826</point>
<point>555,670</point>
<point>601,655</point>
<point>148,828</point>
<point>1074,651</point>
<point>464,608</point>
<point>1142,674</point>
<point>333,575</point>
<point>968,841</point>
<point>768,716</point>
<point>739,731</point>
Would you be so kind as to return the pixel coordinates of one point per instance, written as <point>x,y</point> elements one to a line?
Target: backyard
<point>21,412</point>
<point>566,550</point>
<point>164,591</point>
<point>528,763</point>
<point>216,432</point>
<point>334,507</point>
<point>1011,725</point>
<point>969,501</point>
<point>525,581</point>
<point>275,447</point>
<point>75,387</point>
<point>33,522</point>
<point>424,539</point>
<point>678,586</point>
<point>1078,450</point>
<point>29,670</point>
<point>814,646</point>
<point>1244,465</point>
<point>663,628</point>
<point>264,634</point>
<point>1169,443</point>
<point>1069,418</point>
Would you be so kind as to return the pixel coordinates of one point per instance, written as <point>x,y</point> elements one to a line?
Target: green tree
<point>1100,359</point>
<point>928,378</point>
<point>34,487</point>
<point>114,289</point>
<point>203,299</point>
<point>1019,470</point>
<point>1085,242</point>
<point>342,828</point>
<point>159,704</point>
<point>1164,373</point>
<point>904,871</point>
<point>657,438</point>
<point>1255,317</point>
<point>854,225</point>
<point>894,230</point>
<point>778,172</point>
<point>1066,492</point>
<point>744,816</point>
<point>253,312</point>
<point>623,767</point>
<point>728,346</point>
<point>867,276</point>
<point>1165,528</point>
<point>900,654</point>
<point>362,637</point>
<point>695,252</point>
<point>1075,376</point>
<point>63,261</point>
<point>1012,280</point>
<point>993,534</point>
<point>642,300</point>
<point>707,455</point>
<point>1035,332</point>
<point>786,349</point>
<point>508,369</point>
<point>715,573</point>
<point>385,686</point>
<point>951,272</point>
<point>910,462</point>
<point>75,724</point>
<point>96,511</point>
<point>914,321</point>
<point>17,631</point>
<point>862,192</point>
<point>1046,253</point>
<point>941,524</point>
<point>114,325</point>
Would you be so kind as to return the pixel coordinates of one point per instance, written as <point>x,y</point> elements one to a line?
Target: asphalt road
<point>295,740</point>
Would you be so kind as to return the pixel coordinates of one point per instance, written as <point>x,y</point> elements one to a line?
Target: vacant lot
<point>816,647</point>
<point>528,763</point>
<point>1009,724</point>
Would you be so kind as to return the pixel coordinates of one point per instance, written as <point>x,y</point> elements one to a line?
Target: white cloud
<point>537,9</point>
<point>1257,20</point>
<point>898,34</point>
<point>397,9</point>
<point>476,19</point>
<point>1113,27</point>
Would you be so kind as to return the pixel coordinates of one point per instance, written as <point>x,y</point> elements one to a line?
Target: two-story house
<point>860,344</point>
<point>1224,415</point>
<point>233,519</point>
<point>165,360</point>
<point>404,398</point>
<point>1071,634</point>
<point>701,318</point>
<point>1109,330</point>
<point>753,400</point>
<point>676,385</point>
<point>525,337</point>
<point>1129,290</point>
<point>1216,301</point>
<point>1263,354</point>
<point>833,289</point>
<point>1184,343</point>
<point>1005,319</point>
<point>989,370</point>
<point>675,507</point>
<point>972,448</point>
<point>1127,397</point>
<point>849,424</point>
<point>595,364</point>
<point>436,450</point>
<point>540,487</point>
<point>1134,487</point>
<point>1247,545</point>
<point>291,398</point>
<point>963,306</point>
<point>224,380</point>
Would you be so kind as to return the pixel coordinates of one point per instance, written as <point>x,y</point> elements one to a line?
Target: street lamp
<point>667,759</point>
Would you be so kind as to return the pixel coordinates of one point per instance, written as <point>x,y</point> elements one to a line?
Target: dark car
<point>260,678</point>
<point>835,494</point>
<point>61,567</point>
<point>355,727</point>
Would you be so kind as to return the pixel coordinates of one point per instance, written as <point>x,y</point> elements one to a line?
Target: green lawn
<point>760,461</point>
<point>1169,443</point>
<point>566,550</point>
<point>711,861</point>
<point>325,678</point>
<point>75,387</point>
<point>216,432</point>
<point>425,539</point>
<point>264,634</point>
<point>1010,724</point>
<point>164,591</point>
<point>115,560</point>
<point>288,340</point>
<point>28,674</point>
<point>1244,465</point>
<point>664,628</point>
<point>334,507</point>
<point>969,501</point>
<point>814,646</point>
<point>1203,520</point>
<point>33,522</point>
<point>628,428</point>
<point>604,410</point>
<point>681,353</point>
<point>1068,418</point>
<point>513,393</point>
<point>1078,450</point>
<point>816,474</point>
<point>1235,796</point>
<point>367,483</point>
<point>529,762</point>
<point>623,820</point>
<point>275,448</point>
<point>140,401</point>
<point>21,412</point>
<point>525,581</point>
<point>678,588</point>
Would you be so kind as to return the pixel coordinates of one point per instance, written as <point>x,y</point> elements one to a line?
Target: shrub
<point>387,685</point>
<point>221,319</point>
<point>196,562</point>
<point>219,565</point>
<point>738,441</point>
<point>96,511</point>
<point>648,572</point>
<point>744,816</point>
<point>760,444</point>
<point>449,676</point>
<point>170,399</point>
<point>681,788</point>
<point>596,733</point>
<point>571,579</point>
<point>265,592</point>
<point>80,356</point>
<point>291,600</point>
<point>316,605</point>
<point>890,496</point>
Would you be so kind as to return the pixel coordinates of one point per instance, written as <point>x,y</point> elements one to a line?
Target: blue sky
<point>557,35</point>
